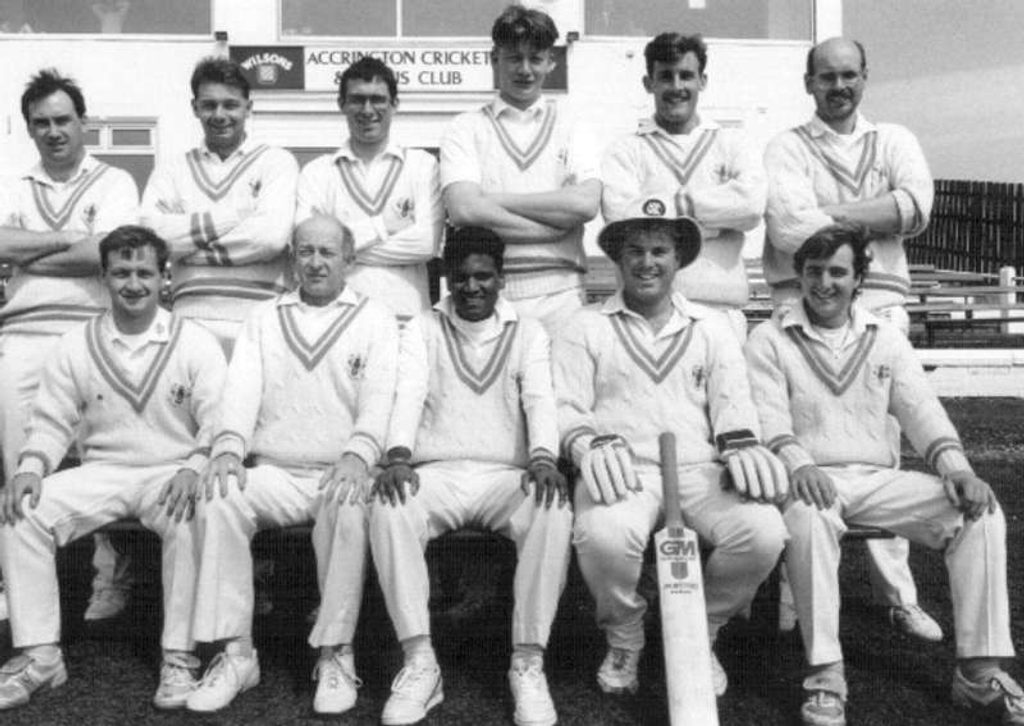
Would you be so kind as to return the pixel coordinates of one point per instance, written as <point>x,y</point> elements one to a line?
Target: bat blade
<point>684,625</point>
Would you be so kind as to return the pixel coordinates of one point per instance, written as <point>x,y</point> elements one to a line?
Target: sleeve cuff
<point>365,447</point>
<point>738,439</point>
<point>950,460</point>
<point>910,215</point>
<point>577,442</point>
<point>794,457</point>
<point>197,461</point>
<point>228,442</point>
<point>33,463</point>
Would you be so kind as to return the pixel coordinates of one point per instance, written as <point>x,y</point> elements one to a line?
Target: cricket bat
<point>684,624</point>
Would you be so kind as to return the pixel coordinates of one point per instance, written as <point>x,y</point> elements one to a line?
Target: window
<point>128,144</point>
<point>389,18</point>
<point>156,17</point>
<point>768,19</point>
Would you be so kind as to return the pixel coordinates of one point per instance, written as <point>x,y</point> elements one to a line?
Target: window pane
<point>92,137</point>
<point>171,17</point>
<point>471,18</point>
<point>770,19</point>
<point>130,137</point>
<point>338,17</point>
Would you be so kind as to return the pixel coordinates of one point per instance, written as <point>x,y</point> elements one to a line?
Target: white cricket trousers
<point>913,505</point>
<point>458,494</point>
<point>277,497</point>
<point>74,502</point>
<point>747,539</point>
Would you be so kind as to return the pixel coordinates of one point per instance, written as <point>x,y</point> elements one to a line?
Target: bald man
<point>308,396</point>
<point>840,167</point>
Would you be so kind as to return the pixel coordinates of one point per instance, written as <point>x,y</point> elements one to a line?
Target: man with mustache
<point>52,218</point>
<point>693,167</point>
<point>841,167</point>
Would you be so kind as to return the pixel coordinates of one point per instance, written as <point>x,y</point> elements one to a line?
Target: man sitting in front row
<point>644,362</point>
<point>308,394</point>
<point>481,431</point>
<point>140,386</point>
<point>825,375</point>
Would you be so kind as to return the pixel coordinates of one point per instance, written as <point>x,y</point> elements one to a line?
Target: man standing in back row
<point>692,167</point>
<point>840,167</point>
<point>520,167</point>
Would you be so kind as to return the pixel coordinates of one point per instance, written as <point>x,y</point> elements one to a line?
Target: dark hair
<point>466,241</point>
<point>133,237</point>
<point>810,57</point>
<point>219,70</point>
<point>826,242</point>
<point>517,25</point>
<point>669,47</point>
<point>47,82</point>
<point>369,69</point>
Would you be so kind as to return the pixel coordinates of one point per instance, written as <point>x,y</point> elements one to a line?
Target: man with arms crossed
<point>696,168</point>
<point>308,395</point>
<point>520,167</point>
<point>225,208</point>
<point>141,386</point>
<point>465,452</point>
<point>840,167</point>
<point>51,221</point>
<point>826,374</point>
<point>644,362</point>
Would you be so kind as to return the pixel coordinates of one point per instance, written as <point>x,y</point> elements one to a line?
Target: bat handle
<point>670,480</point>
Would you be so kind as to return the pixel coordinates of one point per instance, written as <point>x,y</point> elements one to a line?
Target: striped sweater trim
<point>371,204</point>
<point>228,434</point>
<point>682,167</point>
<point>822,368</point>
<point>204,236</point>
<point>937,447</point>
<point>569,440</point>
<point>852,179</point>
<point>655,368</point>
<point>477,381</point>
<point>217,190</point>
<point>311,353</point>
<point>887,281</point>
<point>781,441</point>
<point>366,439</point>
<point>48,313</point>
<point>541,455</point>
<point>137,394</point>
<point>56,218</point>
<point>227,287</point>
<point>522,265</point>
<point>524,158</point>
<point>203,450</point>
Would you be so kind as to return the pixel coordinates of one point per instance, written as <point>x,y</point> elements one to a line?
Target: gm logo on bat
<point>681,552</point>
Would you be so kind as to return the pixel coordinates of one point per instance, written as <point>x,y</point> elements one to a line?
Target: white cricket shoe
<point>106,603</point>
<point>229,673</point>
<point>416,689</point>
<point>914,621</point>
<point>529,686</point>
<point>336,686</point>
<point>823,708</point>
<point>23,675</point>
<point>618,671</point>
<point>177,681</point>
<point>998,696</point>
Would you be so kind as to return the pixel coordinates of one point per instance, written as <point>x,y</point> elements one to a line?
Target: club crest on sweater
<point>179,393</point>
<point>356,366</point>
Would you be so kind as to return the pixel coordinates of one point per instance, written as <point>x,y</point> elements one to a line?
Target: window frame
<point>188,37</point>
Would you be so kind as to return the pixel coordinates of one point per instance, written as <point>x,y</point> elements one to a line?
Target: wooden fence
<point>976,226</point>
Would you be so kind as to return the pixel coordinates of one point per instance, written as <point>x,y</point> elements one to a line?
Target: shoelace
<point>411,676</point>
<point>335,670</point>
<point>177,675</point>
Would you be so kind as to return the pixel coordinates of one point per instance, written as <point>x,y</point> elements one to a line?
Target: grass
<point>892,679</point>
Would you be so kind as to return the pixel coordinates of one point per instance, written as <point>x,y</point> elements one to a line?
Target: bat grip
<point>670,480</point>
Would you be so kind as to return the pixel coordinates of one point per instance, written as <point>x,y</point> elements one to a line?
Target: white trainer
<point>529,686</point>
<point>229,674</point>
<point>177,681</point>
<point>618,671</point>
<point>22,676</point>
<point>336,686</point>
<point>997,697</point>
<point>416,689</point>
<point>913,621</point>
<point>106,603</point>
<point>719,679</point>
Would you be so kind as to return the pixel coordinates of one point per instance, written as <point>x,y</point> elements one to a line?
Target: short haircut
<point>348,240</point>
<point>219,70</point>
<point>670,47</point>
<point>826,242</point>
<point>466,241</point>
<point>517,25</point>
<point>810,57</point>
<point>47,82</point>
<point>368,69</point>
<point>133,237</point>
